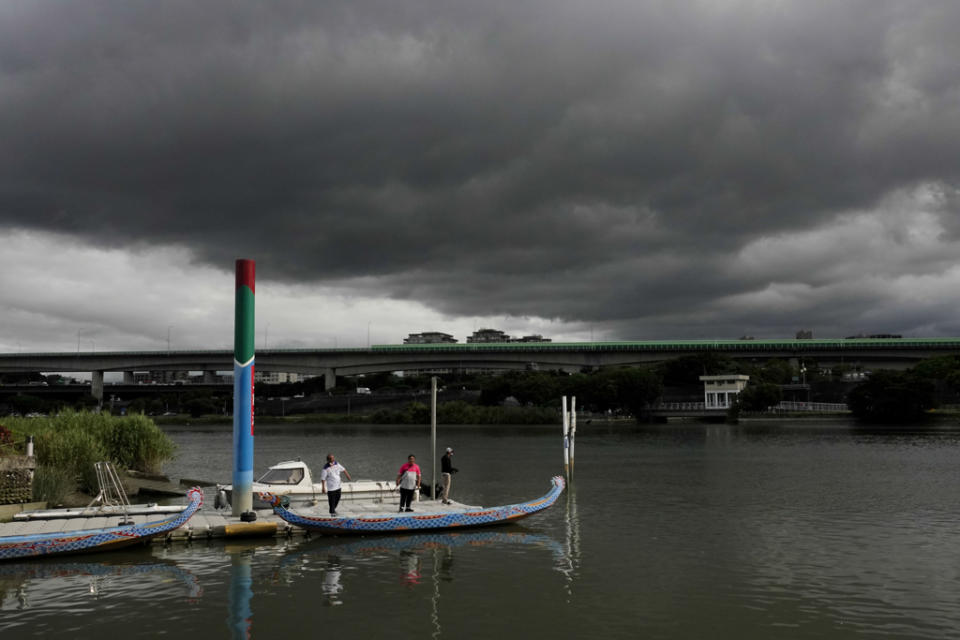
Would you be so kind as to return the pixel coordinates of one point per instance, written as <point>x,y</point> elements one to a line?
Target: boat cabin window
<point>282,476</point>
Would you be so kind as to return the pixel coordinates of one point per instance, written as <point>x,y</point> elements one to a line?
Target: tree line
<point>906,396</point>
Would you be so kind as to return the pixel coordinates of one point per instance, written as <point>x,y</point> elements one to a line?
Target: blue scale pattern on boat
<point>401,523</point>
<point>45,544</point>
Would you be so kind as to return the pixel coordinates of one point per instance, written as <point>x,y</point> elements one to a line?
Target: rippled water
<point>755,531</point>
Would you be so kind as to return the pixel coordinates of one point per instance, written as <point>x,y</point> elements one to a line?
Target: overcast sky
<point>613,169</point>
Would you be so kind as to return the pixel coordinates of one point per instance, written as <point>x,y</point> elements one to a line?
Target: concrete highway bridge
<point>871,353</point>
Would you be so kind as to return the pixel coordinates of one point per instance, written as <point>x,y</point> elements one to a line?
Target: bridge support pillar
<point>330,379</point>
<point>96,386</point>
<point>128,377</point>
<point>209,377</point>
<point>795,366</point>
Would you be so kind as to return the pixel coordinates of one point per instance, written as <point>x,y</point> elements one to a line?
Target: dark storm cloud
<point>579,161</point>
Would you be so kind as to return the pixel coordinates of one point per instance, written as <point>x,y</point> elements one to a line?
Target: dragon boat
<point>90,540</point>
<point>442,518</point>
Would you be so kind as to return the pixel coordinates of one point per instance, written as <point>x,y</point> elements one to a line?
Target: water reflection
<point>410,550</point>
<point>331,581</point>
<point>18,578</point>
<point>240,616</point>
<point>568,563</point>
<point>418,561</point>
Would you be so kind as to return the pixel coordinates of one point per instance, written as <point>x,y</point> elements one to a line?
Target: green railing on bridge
<point>791,345</point>
<point>689,345</point>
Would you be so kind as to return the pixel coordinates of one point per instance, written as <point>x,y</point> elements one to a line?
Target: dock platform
<point>209,523</point>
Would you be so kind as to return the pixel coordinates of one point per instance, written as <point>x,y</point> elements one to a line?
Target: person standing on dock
<point>330,481</point>
<point>408,480</point>
<point>446,473</point>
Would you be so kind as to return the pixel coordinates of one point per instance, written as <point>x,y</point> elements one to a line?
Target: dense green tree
<point>25,404</point>
<point>626,389</point>
<point>537,388</point>
<point>496,389</point>
<point>775,371</point>
<point>636,389</point>
<point>759,396</point>
<point>688,369</point>
<point>942,369</point>
<point>200,406</point>
<point>892,396</point>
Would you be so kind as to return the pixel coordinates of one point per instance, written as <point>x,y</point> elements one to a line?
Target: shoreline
<point>938,419</point>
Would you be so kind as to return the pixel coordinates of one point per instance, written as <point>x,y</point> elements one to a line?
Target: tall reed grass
<point>52,484</point>
<point>73,441</point>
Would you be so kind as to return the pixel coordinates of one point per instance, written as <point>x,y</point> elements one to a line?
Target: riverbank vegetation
<point>463,413</point>
<point>67,446</point>
<point>907,396</point>
<point>532,396</point>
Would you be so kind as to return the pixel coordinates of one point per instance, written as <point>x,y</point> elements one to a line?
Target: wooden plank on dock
<point>250,529</point>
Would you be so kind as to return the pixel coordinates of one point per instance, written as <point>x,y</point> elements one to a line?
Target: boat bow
<point>83,540</point>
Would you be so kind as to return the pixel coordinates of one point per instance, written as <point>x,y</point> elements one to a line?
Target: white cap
<point>449,450</point>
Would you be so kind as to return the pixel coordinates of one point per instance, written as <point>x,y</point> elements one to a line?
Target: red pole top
<point>246,273</point>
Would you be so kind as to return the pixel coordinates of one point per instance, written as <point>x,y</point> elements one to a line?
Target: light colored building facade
<point>429,337</point>
<point>488,335</point>
<point>720,392</point>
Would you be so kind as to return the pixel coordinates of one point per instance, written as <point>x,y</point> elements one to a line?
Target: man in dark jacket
<point>446,473</point>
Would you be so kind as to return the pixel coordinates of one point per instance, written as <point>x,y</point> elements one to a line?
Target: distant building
<point>488,335</point>
<point>429,337</point>
<point>805,334</point>
<point>533,338</point>
<point>720,392</point>
<point>277,377</point>
<point>165,377</point>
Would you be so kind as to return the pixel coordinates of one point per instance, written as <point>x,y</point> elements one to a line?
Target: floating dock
<point>209,523</point>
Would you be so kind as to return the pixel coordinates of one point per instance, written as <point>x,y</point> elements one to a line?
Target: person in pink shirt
<point>408,480</point>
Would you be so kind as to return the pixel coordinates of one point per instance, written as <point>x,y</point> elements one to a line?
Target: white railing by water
<point>810,406</point>
<point>784,406</point>
<point>682,406</point>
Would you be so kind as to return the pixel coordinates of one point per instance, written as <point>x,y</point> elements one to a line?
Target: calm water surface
<point>755,531</point>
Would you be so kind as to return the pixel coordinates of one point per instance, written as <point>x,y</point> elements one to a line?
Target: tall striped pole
<point>572,429</point>
<point>566,437</point>
<point>433,437</point>
<point>243,338</point>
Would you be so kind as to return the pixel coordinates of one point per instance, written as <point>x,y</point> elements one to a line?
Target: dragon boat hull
<point>95,540</point>
<point>407,523</point>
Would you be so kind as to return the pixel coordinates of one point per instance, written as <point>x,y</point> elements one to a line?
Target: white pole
<point>573,427</point>
<point>433,436</point>
<point>566,440</point>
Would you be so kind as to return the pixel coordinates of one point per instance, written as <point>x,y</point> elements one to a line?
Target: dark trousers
<point>333,499</point>
<point>406,498</point>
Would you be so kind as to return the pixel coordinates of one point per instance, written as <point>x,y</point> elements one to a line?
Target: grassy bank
<point>67,446</point>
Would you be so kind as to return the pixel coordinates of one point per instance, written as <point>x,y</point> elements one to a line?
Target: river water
<point>762,530</point>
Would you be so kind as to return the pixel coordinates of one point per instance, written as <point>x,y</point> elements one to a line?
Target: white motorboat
<point>292,478</point>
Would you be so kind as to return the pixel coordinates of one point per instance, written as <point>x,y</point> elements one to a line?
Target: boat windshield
<point>282,476</point>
